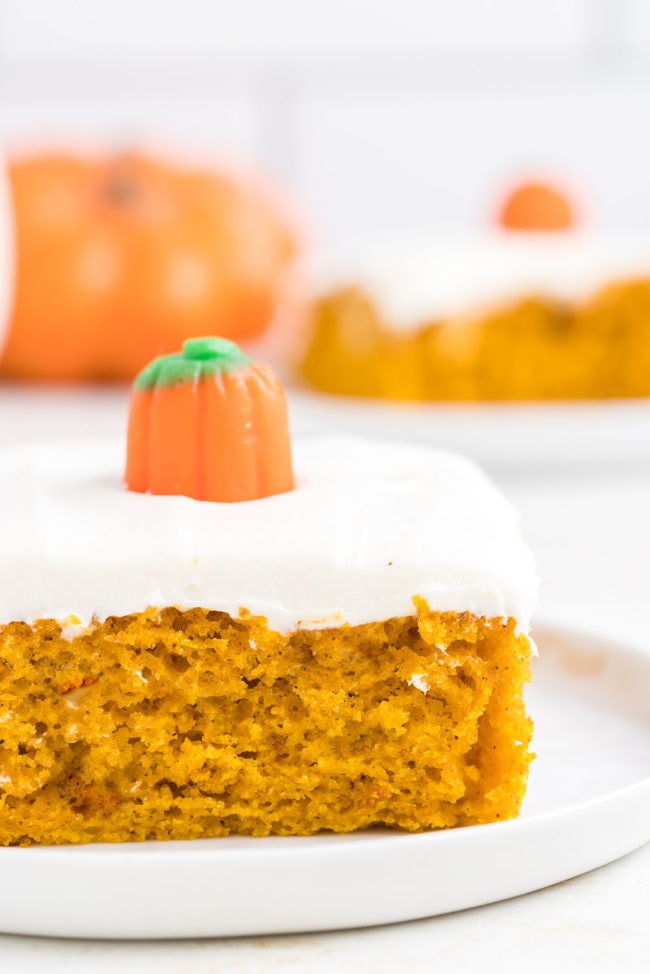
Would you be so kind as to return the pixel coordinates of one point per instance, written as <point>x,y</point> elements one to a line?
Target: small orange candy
<point>536,206</point>
<point>209,423</point>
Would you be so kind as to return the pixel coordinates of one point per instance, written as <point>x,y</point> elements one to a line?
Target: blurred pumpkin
<point>537,207</point>
<point>120,259</point>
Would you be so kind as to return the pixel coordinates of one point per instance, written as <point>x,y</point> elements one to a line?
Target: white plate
<point>494,434</point>
<point>588,803</point>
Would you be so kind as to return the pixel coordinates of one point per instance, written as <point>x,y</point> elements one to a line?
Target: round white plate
<point>588,803</point>
<point>496,435</point>
<point>491,433</point>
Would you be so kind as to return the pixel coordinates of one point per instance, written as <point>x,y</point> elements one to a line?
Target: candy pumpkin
<point>208,423</point>
<point>536,206</point>
<point>120,259</point>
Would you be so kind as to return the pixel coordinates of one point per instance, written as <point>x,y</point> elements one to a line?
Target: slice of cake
<point>496,318</point>
<point>347,650</point>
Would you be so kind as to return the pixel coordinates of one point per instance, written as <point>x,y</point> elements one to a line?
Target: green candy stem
<point>209,348</point>
<point>201,358</point>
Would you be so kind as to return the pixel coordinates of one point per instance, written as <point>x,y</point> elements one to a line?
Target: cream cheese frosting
<point>416,281</point>
<point>370,525</point>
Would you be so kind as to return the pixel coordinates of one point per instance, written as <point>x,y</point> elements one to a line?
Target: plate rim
<point>518,433</point>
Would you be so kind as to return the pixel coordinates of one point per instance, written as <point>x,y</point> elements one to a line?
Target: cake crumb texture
<point>181,725</point>
<point>534,348</point>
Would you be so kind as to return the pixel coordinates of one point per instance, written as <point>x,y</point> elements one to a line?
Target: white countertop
<point>590,530</point>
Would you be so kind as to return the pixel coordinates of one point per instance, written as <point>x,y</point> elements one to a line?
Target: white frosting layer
<point>370,525</point>
<point>416,281</point>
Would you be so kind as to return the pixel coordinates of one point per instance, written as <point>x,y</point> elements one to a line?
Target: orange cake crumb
<point>180,725</point>
<point>533,348</point>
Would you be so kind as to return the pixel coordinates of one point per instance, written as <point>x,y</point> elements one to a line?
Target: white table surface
<point>589,527</point>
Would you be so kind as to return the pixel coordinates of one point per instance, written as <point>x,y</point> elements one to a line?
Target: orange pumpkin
<point>120,259</point>
<point>536,206</point>
<point>208,423</point>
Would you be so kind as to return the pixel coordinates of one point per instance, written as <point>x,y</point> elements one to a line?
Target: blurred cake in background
<point>119,258</point>
<point>505,315</point>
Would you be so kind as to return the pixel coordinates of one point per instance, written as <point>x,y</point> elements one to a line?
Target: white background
<point>375,114</point>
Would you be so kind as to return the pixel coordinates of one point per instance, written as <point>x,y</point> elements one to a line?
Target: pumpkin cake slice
<point>343,646</point>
